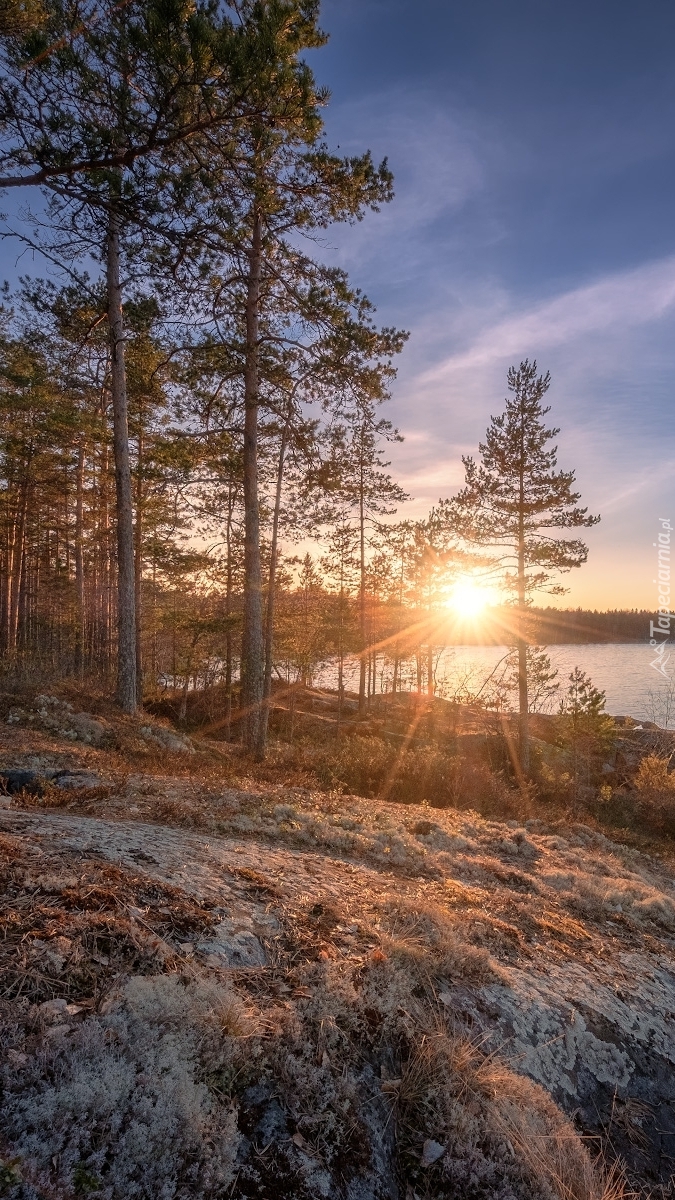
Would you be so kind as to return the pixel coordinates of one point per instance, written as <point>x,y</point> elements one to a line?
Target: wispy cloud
<point>439,160</point>
<point>609,346</point>
<point>515,232</point>
<point>627,299</point>
<point>646,482</point>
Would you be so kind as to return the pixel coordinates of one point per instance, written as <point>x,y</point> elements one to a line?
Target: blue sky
<point>532,145</point>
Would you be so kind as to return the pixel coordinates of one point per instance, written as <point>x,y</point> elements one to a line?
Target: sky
<point>532,148</point>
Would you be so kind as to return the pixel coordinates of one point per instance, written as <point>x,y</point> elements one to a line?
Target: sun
<point>468,598</point>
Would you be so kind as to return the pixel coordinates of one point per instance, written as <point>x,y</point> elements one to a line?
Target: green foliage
<point>542,678</point>
<point>21,17</point>
<point>85,1181</point>
<point>515,499</point>
<point>583,718</point>
<point>253,372</point>
<point>586,730</point>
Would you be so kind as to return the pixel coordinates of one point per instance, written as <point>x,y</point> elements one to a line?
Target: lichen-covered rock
<point>167,739</point>
<point>594,1035</point>
<point>66,780</point>
<point>91,730</point>
<point>59,717</point>
<point>235,944</point>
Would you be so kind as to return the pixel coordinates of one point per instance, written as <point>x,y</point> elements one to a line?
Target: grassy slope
<point>263,990</point>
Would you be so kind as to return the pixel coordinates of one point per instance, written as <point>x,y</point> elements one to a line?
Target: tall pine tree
<point>513,505</point>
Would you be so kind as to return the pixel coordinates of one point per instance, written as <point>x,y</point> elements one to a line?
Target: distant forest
<point>578,625</point>
<point>550,626</point>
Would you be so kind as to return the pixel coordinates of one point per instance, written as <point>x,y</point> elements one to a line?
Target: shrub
<point>499,1134</point>
<point>652,776</point>
<point>656,795</point>
<point>372,767</point>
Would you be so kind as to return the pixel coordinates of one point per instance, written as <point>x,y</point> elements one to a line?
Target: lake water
<point>633,687</point>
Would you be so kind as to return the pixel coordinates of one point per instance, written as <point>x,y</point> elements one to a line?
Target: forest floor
<point>217,982</point>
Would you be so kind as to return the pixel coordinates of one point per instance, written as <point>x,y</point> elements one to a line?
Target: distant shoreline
<point>551,627</point>
<point>566,641</point>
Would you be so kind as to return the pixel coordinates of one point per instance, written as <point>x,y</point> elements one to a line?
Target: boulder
<point>13,781</point>
<point>58,716</point>
<point>596,1035</point>
<point>175,743</point>
<point>76,779</point>
<point>91,730</point>
<point>234,944</point>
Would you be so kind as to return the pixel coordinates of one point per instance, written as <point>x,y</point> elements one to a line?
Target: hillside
<point>215,985</point>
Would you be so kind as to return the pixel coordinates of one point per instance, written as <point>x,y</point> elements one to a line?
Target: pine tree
<point>341,569</point>
<point>513,503</point>
<point>363,485</point>
<point>542,676</point>
<point>584,724</point>
<point>106,107</point>
<point>280,312</point>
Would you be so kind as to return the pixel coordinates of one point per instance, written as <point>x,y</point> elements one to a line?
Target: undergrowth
<point>183,1089</point>
<point>315,1076</point>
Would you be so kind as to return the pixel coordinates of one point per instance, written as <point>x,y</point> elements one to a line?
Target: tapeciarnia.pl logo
<point>659,631</point>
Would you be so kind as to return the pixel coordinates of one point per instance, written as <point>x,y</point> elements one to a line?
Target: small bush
<point>372,767</point>
<point>653,776</point>
<point>649,806</point>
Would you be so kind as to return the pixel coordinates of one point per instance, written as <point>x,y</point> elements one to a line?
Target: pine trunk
<point>138,567</point>
<point>17,569</point>
<point>228,618</point>
<point>79,559</point>
<point>523,722</point>
<point>362,600</point>
<point>272,582</point>
<point>126,607</point>
<point>253,649</point>
<point>341,658</point>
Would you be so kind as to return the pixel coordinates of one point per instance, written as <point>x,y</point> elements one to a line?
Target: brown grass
<point>457,891</point>
<point>479,1096</point>
<point>69,928</point>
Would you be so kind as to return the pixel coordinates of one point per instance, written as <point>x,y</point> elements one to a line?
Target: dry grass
<point>343,1043</point>
<point>69,928</point>
<point>301,1059</point>
<point>423,936</point>
<point>475,1098</point>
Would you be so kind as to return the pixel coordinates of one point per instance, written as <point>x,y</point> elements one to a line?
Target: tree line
<point>192,391</point>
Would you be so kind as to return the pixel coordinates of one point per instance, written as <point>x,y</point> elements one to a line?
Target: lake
<point>633,687</point>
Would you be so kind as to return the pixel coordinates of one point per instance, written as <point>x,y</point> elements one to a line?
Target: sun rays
<point>469,598</point>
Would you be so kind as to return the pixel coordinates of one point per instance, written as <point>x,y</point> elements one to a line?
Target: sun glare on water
<point>468,598</point>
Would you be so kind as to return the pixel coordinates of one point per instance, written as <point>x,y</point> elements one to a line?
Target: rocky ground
<point>210,990</point>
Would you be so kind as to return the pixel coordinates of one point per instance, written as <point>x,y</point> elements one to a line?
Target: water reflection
<point>623,671</point>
